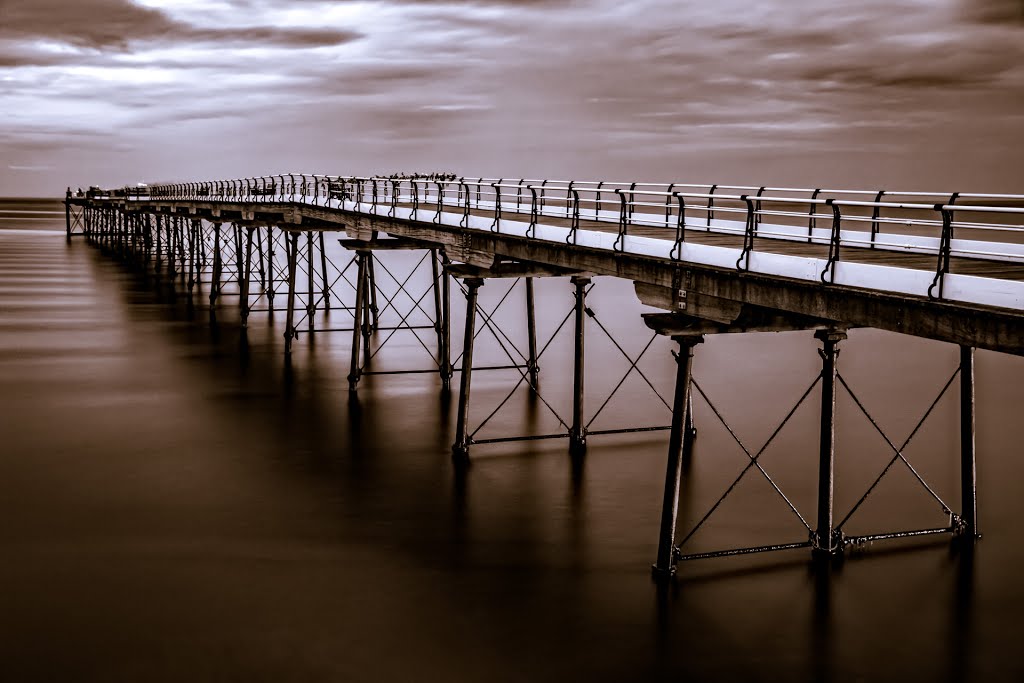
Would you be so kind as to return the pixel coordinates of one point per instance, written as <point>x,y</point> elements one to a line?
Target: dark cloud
<point>16,54</point>
<point>114,25</point>
<point>995,11</point>
<point>415,3</point>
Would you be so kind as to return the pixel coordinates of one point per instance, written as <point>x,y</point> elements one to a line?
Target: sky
<point>893,94</point>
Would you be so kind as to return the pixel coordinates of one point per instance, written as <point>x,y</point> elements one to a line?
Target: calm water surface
<point>176,509</point>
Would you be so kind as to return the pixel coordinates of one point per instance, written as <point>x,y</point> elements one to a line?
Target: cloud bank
<point>812,92</point>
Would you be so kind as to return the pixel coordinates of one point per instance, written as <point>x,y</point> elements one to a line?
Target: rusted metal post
<point>665,565</point>
<point>460,449</point>
<point>578,431</point>
<point>357,319</point>
<point>531,331</point>
<point>968,474</point>
<point>292,245</point>
<point>825,541</point>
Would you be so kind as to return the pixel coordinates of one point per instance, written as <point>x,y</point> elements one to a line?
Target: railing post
<point>665,566</point>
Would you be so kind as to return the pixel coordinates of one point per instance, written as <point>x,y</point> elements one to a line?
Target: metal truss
<point>369,318</point>
<point>576,428</point>
<point>828,539</point>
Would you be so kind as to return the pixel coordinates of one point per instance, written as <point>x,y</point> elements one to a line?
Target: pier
<point>712,259</point>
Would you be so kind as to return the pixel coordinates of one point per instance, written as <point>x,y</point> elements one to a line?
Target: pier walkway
<point>714,259</point>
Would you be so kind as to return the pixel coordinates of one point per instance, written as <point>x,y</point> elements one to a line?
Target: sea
<point>180,502</point>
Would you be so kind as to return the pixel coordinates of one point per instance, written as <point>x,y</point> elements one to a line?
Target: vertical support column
<point>446,325</point>
<point>435,285</point>
<point>357,319</point>
<point>176,258</point>
<point>193,257</point>
<point>244,276</point>
<point>239,264</point>
<point>372,311</point>
<point>169,248</point>
<point>123,234</point>
<point>67,213</point>
<point>311,289</point>
<point>271,273</point>
<point>665,565</point>
<point>690,433</point>
<point>217,267</point>
<point>825,541</point>
<point>184,245</point>
<point>138,244</point>
<point>259,250</point>
<point>968,474</point>
<point>147,226</point>
<point>578,431</point>
<point>460,449</point>
<point>158,256</point>
<point>292,244</point>
<point>531,330</point>
<point>204,258</point>
<point>325,289</point>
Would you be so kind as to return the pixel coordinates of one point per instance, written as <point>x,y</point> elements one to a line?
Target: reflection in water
<point>179,497</point>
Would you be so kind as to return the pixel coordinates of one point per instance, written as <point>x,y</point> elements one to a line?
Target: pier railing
<point>981,226</point>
